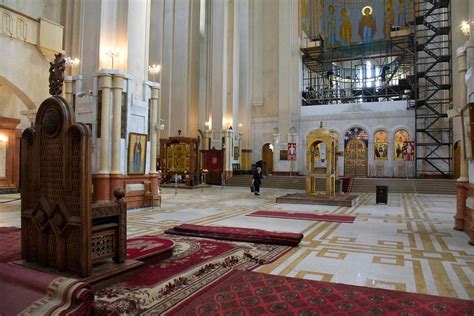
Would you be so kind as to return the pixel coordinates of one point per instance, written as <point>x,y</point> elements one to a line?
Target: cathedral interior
<point>236,157</point>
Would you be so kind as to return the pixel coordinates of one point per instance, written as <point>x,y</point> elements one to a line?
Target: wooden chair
<point>61,228</point>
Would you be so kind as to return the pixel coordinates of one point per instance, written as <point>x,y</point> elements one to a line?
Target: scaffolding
<point>377,71</point>
<point>414,64</point>
<point>434,130</point>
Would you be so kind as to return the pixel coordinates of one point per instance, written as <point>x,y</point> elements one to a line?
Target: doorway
<point>267,158</point>
<point>355,158</point>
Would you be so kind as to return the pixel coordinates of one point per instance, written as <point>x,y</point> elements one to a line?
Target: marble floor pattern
<point>407,245</point>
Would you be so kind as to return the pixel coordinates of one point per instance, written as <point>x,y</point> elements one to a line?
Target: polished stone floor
<point>407,245</point>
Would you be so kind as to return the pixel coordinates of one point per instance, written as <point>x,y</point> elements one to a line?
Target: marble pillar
<point>116,172</point>
<point>461,55</point>
<point>102,189</point>
<point>228,135</point>
<point>154,176</point>
<point>276,151</point>
<point>68,89</point>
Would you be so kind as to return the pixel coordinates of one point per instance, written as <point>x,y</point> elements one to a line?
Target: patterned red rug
<point>138,248</point>
<point>252,293</point>
<point>30,292</point>
<point>237,234</point>
<point>305,216</point>
<point>157,287</point>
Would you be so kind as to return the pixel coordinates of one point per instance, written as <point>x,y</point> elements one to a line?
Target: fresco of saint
<point>402,13</point>
<point>389,19</point>
<point>346,27</point>
<point>367,25</point>
<point>331,28</point>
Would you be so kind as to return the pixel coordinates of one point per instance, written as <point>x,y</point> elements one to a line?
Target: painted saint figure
<point>331,28</point>
<point>346,27</point>
<point>402,13</point>
<point>367,25</point>
<point>389,19</point>
<point>137,154</point>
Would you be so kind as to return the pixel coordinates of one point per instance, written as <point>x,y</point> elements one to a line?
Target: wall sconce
<point>3,138</point>
<point>154,70</point>
<point>270,146</point>
<point>162,124</point>
<point>227,124</point>
<point>466,28</point>
<point>113,54</point>
<point>72,62</point>
<point>240,125</point>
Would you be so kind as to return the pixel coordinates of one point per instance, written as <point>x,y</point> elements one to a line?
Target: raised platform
<point>183,186</point>
<point>303,198</point>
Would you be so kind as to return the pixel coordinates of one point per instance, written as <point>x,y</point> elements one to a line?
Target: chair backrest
<point>56,182</point>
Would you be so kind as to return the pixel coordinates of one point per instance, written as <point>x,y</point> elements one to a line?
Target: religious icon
<point>367,25</point>
<point>136,153</point>
<point>346,27</point>
<point>331,28</point>
<point>291,151</point>
<point>402,13</point>
<point>400,137</point>
<point>389,19</point>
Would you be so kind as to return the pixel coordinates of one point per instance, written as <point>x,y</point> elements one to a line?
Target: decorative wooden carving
<point>56,74</point>
<point>60,226</point>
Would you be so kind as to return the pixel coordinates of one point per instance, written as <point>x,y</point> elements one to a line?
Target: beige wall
<point>270,61</point>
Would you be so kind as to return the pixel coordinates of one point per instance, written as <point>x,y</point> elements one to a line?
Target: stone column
<point>276,151</point>
<point>102,188</point>
<point>117,87</point>
<point>461,55</point>
<point>154,176</point>
<point>228,135</point>
<point>68,89</point>
<point>116,172</point>
<point>207,141</point>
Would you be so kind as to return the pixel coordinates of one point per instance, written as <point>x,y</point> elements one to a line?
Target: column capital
<point>105,80</point>
<point>117,81</point>
<point>30,114</point>
<point>155,92</point>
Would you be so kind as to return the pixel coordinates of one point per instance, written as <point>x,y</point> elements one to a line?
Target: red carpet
<point>10,244</point>
<point>252,293</point>
<point>237,234</point>
<point>140,248</point>
<point>30,292</point>
<point>157,287</point>
<point>137,248</point>
<point>305,216</point>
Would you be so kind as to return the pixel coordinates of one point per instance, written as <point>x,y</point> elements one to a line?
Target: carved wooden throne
<point>60,226</point>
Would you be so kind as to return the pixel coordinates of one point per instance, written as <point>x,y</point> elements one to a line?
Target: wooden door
<point>355,159</point>
<point>267,159</point>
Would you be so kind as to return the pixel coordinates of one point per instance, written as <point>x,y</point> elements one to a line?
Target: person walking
<point>257,180</point>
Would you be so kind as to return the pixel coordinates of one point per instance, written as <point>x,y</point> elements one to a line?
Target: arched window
<point>381,145</point>
<point>399,138</point>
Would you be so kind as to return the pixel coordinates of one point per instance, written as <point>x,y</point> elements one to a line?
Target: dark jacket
<point>257,177</point>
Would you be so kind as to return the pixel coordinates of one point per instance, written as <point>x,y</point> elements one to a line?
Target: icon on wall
<point>136,153</point>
